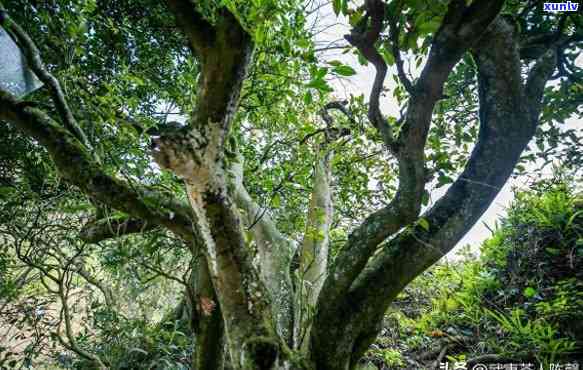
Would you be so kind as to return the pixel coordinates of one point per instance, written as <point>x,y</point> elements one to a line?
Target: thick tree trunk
<point>509,109</point>
<point>207,322</point>
<point>197,155</point>
<point>246,307</point>
<point>274,254</point>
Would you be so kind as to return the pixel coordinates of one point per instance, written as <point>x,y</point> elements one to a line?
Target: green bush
<point>521,299</point>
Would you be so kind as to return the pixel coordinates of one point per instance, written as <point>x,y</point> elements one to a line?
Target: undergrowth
<point>520,301</point>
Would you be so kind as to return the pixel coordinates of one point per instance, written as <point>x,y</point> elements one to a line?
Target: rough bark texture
<point>508,118</point>
<point>207,322</point>
<point>248,307</point>
<point>274,254</point>
<point>314,250</point>
<point>197,156</point>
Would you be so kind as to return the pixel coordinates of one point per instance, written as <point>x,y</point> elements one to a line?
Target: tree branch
<point>314,251</point>
<point>315,246</point>
<point>274,250</point>
<point>72,344</point>
<point>96,231</point>
<point>396,51</point>
<point>106,291</point>
<point>35,62</point>
<point>364,38</point>
<point>461,28</point>
<point>448,47</point>
<point>78,167</point>
<point>507,123</point>
<point>199,31</point>
<point>538,78</point>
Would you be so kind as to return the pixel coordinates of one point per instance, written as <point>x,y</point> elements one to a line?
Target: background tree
<point>283,281</point>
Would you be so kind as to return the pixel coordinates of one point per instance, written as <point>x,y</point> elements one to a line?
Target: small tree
<point>274,303</point>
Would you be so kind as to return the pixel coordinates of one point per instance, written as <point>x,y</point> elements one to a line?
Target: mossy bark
<point>509,109</point>
<point>206,321</point>
<point>370,270</point>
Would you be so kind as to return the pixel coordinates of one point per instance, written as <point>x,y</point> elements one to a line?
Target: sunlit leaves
<point>423,223</point>
<point>318,80</point>
<point>340,6</point>
<point>342,69</point>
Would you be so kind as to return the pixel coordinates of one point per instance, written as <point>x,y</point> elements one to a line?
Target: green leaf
<point>344,70</point>
<point>320,73</point>
<point>320,85</point>
<point>423,223</point>
<point>138,350</point>
<point>443,180</point>
<point>259,35</point>
<point>388,56</point>
<point>308,99</point>
<point>337,5</point>
<point>429,27</point>
<point>344,6</point>
<point>520,168</point>
<point>362,60</point>
<point>276,201</point>
<point>425,200</point>
<point>355,17</point>
<point>529,292</point>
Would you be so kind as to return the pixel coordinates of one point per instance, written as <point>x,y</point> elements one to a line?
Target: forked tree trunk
<point>255,299</point>
<point>254,307</point>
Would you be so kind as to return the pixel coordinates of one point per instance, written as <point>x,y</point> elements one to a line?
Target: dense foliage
<point>281,240</point>
<point>519,301</point>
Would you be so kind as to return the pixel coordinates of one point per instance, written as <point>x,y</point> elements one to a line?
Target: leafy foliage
<point>521,299</point>
<point>129,76</point>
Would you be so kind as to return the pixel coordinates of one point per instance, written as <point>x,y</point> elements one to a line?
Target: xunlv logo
<point>561,7</point>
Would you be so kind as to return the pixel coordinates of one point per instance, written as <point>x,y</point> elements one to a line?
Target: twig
<point>364,38</point>
<point>394,37</point>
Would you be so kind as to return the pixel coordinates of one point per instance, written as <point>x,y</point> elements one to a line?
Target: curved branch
<point>35,62</point>
<point>106,291</point>
<point>396,51</point>
<point>450,43</point>
<point>78,167</point>
<point>507,123</point>
<point>71,342</point>
<point>364,39</point>
<point>96,231</point>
